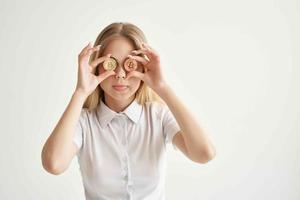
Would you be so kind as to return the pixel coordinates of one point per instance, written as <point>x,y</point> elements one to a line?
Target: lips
<point>120,87</point>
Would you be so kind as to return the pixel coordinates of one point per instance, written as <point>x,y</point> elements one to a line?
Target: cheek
<point>135,83</point>
<point>106,83</point>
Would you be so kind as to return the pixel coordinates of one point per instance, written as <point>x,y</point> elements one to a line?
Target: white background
<point>234,63</point>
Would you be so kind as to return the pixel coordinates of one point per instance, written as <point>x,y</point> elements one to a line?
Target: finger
<point>139,59</point>
<point>146,51</point>
<point>139,51</point>
<point>143,52</point>
<point>146,46</point>
<point>150,49</point>
<point>105,75</point>
<point>135,74</point>
<point>85,48</point>
<point>92,50</point>
<point>96,62</point>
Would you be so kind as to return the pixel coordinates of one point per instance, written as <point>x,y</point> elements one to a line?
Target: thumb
<point>104,75</point>
<point>135,74</point>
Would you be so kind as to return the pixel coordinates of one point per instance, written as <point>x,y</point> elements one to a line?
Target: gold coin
<point>110,64</point>
<point>130,64</point>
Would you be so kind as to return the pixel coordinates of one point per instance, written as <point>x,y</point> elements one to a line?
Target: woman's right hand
<point>87,81</point>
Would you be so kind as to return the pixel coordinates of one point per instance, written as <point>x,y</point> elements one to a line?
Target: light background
<point>234,63</point>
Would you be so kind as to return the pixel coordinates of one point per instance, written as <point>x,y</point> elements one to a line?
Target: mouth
<point>120,88</point>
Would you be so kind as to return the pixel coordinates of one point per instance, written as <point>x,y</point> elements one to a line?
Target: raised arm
<point>59,148</point>
<point>192,140</point>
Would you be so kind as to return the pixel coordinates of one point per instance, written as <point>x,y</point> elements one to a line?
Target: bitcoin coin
<point>130,64</point>
<point>110,64</point>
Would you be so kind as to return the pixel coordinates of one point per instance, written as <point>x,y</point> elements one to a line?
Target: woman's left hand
<point>153,74</point>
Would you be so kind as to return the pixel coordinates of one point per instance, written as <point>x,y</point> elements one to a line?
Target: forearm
<point>198,143</point>
<point>58,145</point>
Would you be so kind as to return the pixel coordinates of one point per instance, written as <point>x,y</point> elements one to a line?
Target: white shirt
<point>123,155</point>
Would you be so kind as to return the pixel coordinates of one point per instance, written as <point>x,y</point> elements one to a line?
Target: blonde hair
<point>136,36</point>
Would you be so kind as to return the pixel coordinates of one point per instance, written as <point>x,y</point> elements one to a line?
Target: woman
<point>120,119</point>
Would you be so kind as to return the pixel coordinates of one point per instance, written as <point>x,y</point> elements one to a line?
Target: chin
<point>120,96</point>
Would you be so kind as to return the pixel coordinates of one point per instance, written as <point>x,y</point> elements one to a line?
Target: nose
<point>120,73</point>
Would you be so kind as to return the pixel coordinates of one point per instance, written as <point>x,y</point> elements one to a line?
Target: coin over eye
<point>130,64</point>
<point>110,64</point>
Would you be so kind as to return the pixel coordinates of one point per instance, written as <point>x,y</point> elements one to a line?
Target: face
<point>120,48</point>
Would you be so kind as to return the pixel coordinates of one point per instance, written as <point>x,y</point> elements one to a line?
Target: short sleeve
<point>170,126</point>
<point>79,134</point>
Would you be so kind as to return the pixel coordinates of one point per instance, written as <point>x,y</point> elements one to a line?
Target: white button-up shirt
<point>123,155</point>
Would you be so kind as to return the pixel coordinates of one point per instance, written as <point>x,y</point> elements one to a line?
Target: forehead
<point>119,47</point>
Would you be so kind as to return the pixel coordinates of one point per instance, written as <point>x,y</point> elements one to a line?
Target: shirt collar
<point>105,114</point>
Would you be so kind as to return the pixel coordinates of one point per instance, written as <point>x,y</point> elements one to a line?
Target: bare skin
<point>59,149</point>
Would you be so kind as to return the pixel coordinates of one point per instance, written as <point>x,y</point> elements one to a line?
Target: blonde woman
<point>119,120</point>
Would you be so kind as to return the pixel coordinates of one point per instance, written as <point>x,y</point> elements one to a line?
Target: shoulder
<point>156,108</point>
<point>85,114</point>
<point>86,117</point>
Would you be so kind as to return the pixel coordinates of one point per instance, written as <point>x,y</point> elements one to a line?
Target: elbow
<point>207,159</point>
<point>50,166</point>
<point>204,158</point>
<point>52,169</point>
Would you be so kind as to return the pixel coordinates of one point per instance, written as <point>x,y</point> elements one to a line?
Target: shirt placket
<point>125,164</point>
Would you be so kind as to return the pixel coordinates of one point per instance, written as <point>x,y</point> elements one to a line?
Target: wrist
<point>80,94</point>
<point>161,88</point>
